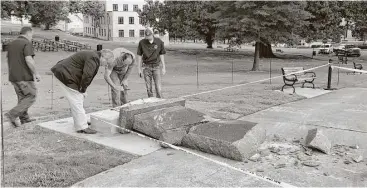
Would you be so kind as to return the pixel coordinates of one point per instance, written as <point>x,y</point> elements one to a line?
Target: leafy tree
<point>18,9</point>
<point>49,13</point>
<point>355,14</point>
<point>95,9</point>
<point>182,18</point>
<point>324,23</point>
<point>265,22</point>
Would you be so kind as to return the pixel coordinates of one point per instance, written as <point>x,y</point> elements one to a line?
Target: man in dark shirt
<point>150,57</point>
<point>22,73</point>
<point>75,74</point>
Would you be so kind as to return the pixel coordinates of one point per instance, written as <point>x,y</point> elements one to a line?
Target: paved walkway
<point>341,114</point>
<point>170,168</point>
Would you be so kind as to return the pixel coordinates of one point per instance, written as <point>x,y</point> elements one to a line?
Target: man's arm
<point>161,55</point>
<point>90,69</point>
<point>140,54</point>
<point>28,54</point>
<point>129,69</point>
<point>107,76</point>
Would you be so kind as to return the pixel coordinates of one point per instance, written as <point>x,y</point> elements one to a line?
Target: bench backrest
<point>290,70</point>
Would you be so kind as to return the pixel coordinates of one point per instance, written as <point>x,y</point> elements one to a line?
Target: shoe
<point>87,131</point>
<point>89,123</point>
<point>12,120</point>
<point>27,121</point>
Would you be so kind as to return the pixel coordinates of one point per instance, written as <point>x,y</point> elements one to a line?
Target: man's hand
<point>37,77</point>
<point>125,84</point>
<point>164,70</point>
<point>119,88</point>
<point>85,95</point>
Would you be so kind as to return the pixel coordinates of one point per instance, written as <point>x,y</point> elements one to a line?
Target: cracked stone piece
<point>235,139</point>
<point>128,111</point>
<point>317,140</point>
<point>168,124</point>
<point>358,158</point>
<point>311,163</point>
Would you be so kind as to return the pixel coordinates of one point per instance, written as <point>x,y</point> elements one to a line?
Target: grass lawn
<point>38,157</point>
<point>247,100</point>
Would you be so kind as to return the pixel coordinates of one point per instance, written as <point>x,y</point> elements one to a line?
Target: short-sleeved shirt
<point>121,65</point>
<point>18,49</point>
<point>151,52</point>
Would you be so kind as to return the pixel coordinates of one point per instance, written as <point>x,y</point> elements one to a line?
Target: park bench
<point>292,75</point>
<point>357,66</point>
<point>231,49</point>
<point>342,59</point>
<point>71,48</point>
<point>279,50</point>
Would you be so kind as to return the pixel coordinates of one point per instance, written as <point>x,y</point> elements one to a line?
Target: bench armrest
<point>313,73</point>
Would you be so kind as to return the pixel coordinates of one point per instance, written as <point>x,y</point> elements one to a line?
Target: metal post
<point>330,70</point>
<point>232,72</point>
<point>108,93</point>
<point>270,70</point>
<point>2,141</point>
<point>52,91</point>
<point>197,72</point>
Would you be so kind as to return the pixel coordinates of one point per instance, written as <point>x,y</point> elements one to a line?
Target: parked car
<point>326,49</point>
<point>349,49</point>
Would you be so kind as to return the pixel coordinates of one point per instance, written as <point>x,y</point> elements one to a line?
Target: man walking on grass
<point>22,74</point>
<point>75,74</point>
<point>150,58</point>
<point>116,75</point>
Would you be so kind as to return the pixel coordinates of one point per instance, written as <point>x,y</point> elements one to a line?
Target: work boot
<point>27,121</point>
<point>87,131</point>
<point>11,120</point>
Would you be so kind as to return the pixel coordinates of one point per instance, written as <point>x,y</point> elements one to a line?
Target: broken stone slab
<point>104,121</point>
<point>168,124</point>
<point>255,157</point>
<point>128,112</point>
<point>234,139</point>
<point>224,115</point>
<point>317,140</point>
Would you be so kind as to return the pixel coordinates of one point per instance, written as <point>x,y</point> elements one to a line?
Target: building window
<point>142,33</point>
<point>131,33</point>
<point>136,8</point>
<point>121,33</point>
<point>126,7</point>
<point>105,34</point>
<point>115,7</point>
<point>141,21</point>
<point>131,20</point>
<point>121,20</point>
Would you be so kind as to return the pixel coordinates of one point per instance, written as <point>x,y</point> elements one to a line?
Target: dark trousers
<point>153,73</point>
<point>26,92</point>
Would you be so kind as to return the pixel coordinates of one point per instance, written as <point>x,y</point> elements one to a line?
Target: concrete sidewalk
<point>342,115</point>
<point>170,168</point>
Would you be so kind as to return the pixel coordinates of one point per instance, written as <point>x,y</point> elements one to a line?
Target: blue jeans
<point>153,73</point>
<point>118,97</point>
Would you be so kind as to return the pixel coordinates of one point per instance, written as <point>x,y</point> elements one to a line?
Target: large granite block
<point>168,124</point>
<point>231,139</point>
<point>127,113</point>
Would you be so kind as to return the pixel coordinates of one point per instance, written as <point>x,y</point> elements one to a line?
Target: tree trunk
<point>266,51</point>
<point>47,27</point>
<point>256,64</point>
<point>209,41</point>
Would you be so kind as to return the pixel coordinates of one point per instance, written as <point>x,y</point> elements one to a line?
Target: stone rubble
<point>317,140</point>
